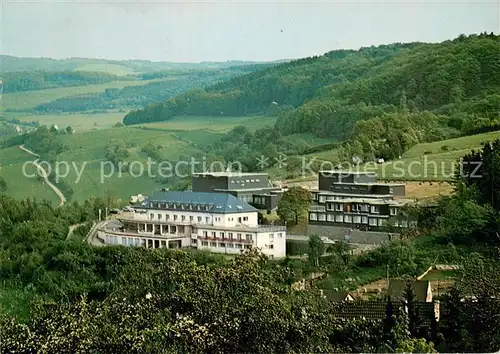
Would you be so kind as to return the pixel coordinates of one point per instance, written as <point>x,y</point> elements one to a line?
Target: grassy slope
<point>29,99</point>
<point>89,148</point>
<point>20,186</point>
<point>429,162</point>
<point>177,137</point>
<point>78,121</point>
<point>426,161</point>
<point>307,139</point>
<point>220,124</point>
<point>114,69</point>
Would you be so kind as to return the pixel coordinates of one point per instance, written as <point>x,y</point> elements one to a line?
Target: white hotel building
<point>216,222</point>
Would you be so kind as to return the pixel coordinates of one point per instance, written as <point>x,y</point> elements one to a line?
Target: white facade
<point>198,217</point>
<point>229,233</point>
<point>270,240</point>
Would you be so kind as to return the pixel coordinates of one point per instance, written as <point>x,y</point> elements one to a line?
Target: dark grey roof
<point>217,202</point>
<point>398,286</point>
<point>376,310</point>
<point>336,296</point>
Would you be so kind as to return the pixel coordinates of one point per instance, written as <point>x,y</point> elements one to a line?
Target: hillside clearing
<point>113,69</point>
<point>19,185</point>
<point>80,122</point>
<point>87,151</point>
<point>436,161</point>
<point>221,124</point>
<point>30,99</point>
<point>307,139</point>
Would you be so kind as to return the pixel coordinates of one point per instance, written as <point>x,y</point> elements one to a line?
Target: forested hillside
<point>10,63</point>
<point>287,84</point>
<point>174,83</point>
<point>426,91</point>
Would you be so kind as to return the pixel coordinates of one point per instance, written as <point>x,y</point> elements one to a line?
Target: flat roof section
<point>228,174</point>
<point>397,202</point>
<point>340,172</point>
<point>353,194</point>
<point>367,184</point>
<point>263,189</point>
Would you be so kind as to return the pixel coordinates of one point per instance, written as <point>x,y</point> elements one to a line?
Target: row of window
<point>230,235</point>
<point>135,242</point>
<point>374,209</point>
<point>356,188</point>
<point>247,198</point>
<point>229,245</point>
<point>354,219</point>
<point>239,236</point>
<point>353,188</point>
<point>191,218</point>
<point>260,200</point>
<point>247,181</point>
<point>225,245</point>
<point>160,205</point>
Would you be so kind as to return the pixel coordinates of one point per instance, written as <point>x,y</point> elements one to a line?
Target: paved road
<point>92,238</point>
<point>72,228</point>
<point>45,175</point>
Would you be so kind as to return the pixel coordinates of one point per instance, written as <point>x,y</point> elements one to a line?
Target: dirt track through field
<point>45,175</point>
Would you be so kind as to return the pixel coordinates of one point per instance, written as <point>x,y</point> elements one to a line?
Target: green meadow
<point>30,99</point>
<point>80,122</point>
<point>18,184</point>
<point>433,161</point>
<point>307,139</point>
<point>184,137</point>
<point>219,124</point>
<point>87,151</point>
<point>199,137</point>
<point>436,161</point>
<point>113,69</point>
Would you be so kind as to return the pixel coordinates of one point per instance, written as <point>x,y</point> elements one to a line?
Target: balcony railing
<point>220,239</point>
<point>141,234</point>
<point>317,208</point>
<point>270,228</point>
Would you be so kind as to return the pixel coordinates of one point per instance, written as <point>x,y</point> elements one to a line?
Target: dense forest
<point>77,298</point>
<point>450,88</point>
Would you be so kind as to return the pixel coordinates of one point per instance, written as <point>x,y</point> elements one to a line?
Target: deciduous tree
<point>294,203</point>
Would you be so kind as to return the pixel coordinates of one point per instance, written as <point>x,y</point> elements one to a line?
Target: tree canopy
<point>294,203</point>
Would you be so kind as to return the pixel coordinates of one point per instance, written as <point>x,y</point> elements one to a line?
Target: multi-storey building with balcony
<point>216,222</point>
<point>253,188</point>
<point>354,184</point>
<point>348,202</point>
<point>363,214</point>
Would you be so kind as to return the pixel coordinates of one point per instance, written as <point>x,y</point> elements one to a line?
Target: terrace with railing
<point>243,228</point>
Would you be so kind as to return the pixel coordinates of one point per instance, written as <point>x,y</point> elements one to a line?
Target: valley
<point>177,207</point>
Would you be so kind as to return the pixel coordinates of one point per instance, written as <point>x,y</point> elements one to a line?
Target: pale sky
<point>230,30</point>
